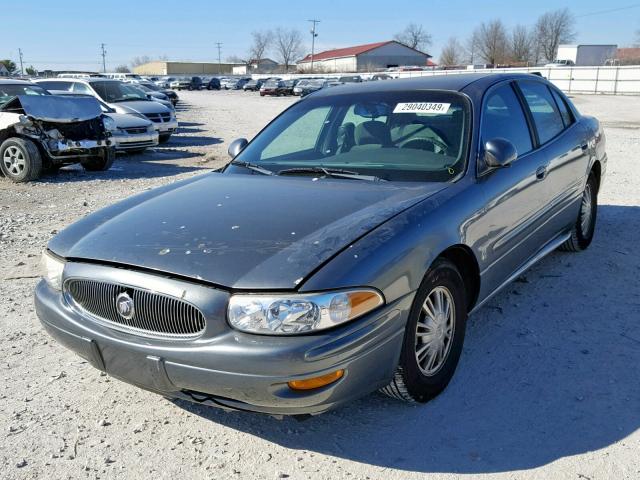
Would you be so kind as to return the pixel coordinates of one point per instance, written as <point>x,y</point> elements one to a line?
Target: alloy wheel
<point>434,330</point>
<point>586,209</point>
<point>14,160</point>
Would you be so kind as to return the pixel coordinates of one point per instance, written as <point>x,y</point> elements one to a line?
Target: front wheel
<point>20,160</point>
<point>164,138</point>
<point>100,162</point>
<point>585,226</point>
<point>433,337</point>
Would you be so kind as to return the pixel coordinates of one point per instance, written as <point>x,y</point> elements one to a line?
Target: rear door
<point>563,146</point>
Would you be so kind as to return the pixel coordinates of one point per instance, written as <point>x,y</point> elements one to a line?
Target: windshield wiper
<point>252,166</point>
<point>330,172</point>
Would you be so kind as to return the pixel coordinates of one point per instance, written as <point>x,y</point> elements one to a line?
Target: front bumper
<point>126,141</point>
<point>235,370</point>
<point>166,127</point>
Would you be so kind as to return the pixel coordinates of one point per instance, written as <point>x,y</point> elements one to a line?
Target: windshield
<point>113,92</point>
<point>151,86</point>
<point>7,92</point>
<point>395,136</point>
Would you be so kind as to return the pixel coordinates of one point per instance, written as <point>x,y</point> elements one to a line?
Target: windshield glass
<point>395,136</point>
<point>7,92</point>
<point>112,92</point>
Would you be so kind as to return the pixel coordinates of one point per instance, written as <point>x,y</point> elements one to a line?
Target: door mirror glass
<point>236,147</point>
<point>499,152</point>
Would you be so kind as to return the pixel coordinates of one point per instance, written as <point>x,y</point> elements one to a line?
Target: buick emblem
<point>125,306</point>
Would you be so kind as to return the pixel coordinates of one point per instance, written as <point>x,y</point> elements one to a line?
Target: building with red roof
<point>368,57</point>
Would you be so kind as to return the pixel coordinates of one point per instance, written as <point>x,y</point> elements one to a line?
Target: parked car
<point>273,88</point>
<point>315,85</point>
<point>39,132</point>
<point>346,275</point>
<point>297,90</point>
<point>560,63</point>
<point>253,85</point>
<point>289,86</point>
<point>380,76</point>
<point>123,98</point>
<point>154,95</point>
<point>165,82</point>
<point>170,95</point>
<point>189,83</point>
<point>129,133</point>
<point>350,79</point>
<point>233,83</point>
<point>214,84</point>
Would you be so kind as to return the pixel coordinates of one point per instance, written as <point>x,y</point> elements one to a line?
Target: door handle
<point>541,172</point>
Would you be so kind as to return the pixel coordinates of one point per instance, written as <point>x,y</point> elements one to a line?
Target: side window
<point>82,88</point>
<point>544,111</point>
<point>301,135</point>
<point>502,116</point>
<point>565,111</point>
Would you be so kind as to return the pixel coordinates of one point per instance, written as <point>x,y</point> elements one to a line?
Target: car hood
<point>139,106</point>
<point>238,231</point>
<point>60,109</point>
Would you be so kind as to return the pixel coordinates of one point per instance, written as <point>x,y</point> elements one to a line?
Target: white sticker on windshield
<point>422,107</point>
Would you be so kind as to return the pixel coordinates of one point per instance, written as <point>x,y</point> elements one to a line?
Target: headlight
<point>109,123</point>
<point>299,313</point>
<point>52,267</point>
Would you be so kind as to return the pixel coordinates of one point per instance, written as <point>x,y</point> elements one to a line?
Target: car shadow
<point>153,163</point>
<point>192,141</point>
<point>549,370</point>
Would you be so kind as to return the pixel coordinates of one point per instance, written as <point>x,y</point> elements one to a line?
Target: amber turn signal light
<point>316,382</point>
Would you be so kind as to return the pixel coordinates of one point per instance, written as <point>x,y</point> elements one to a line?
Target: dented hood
<point>238,231</point>
<point>62,109</point>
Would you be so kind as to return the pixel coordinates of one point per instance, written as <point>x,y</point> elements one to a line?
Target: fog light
<point>316,382</point>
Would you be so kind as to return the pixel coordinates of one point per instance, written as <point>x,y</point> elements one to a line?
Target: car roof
<point>455,82</point>
<point>16,81</point>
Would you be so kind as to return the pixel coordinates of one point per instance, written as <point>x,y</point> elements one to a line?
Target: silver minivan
<point>123,98</point>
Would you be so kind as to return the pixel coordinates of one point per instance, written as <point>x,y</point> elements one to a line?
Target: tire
<point>585,226</point>
<point>135,151</point>
<point>20,160</point>
<point>101,162</point>
<point>414,382</point>
<point>164,138</point>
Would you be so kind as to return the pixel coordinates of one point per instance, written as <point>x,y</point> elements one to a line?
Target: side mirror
<point>499,153</point>
<point>236,147</point>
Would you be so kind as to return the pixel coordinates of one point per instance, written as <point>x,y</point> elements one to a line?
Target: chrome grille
<point>136,130</point>
<point>155,314</point>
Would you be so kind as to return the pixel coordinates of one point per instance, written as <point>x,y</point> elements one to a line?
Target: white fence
<point>605,80</point>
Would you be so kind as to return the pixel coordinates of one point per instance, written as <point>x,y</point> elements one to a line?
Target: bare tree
<point>288,46</point>
<point>414,36</point>
<point>552,29</point>
<point>452,53</point>
<point>136,61</point>
<point>261,40</point>
<point>522,44</point>
<point>471,48</point>
<point>492,41</point>
<point>235,59</point>
<point>122,69</point>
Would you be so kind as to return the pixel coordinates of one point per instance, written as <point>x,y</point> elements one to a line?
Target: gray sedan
<point>339,252</point>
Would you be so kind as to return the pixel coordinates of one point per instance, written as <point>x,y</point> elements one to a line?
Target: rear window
<point>544,110</point>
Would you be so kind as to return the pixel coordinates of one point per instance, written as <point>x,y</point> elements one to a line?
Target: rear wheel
<point>164,138</point>
<point>585,226</point>
<point>20,160</point>
<point>433,337</point>
<point>100,162</point>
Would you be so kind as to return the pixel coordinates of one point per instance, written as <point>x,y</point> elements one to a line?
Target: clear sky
<point>67,34</point>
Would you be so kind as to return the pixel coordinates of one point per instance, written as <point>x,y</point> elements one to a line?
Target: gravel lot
<point>548,385</point>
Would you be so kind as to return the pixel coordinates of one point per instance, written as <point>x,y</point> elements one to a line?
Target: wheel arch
<point>464,259</point>
<point>596,168</point>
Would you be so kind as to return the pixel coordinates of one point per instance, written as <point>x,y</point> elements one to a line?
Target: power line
<point>219,45</point>
<point>313,22</point>
<point>104,56</point>
<point>611,10</point>
<point>21,68</point>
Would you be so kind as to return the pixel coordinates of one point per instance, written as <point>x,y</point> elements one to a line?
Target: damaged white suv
<point>40,132</point>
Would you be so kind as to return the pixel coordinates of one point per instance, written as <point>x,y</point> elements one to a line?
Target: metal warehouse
<point>184,68</point>
<point>360,58</point>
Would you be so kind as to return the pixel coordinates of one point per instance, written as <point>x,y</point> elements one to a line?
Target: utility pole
<point>313,39</point>
<point>20,54</point>
<point>104,56</point>
<point>219,45</point>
